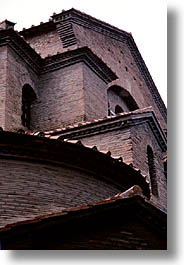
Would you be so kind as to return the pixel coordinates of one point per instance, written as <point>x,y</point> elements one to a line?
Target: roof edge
<point>132,195</point>
<point>81,54</point>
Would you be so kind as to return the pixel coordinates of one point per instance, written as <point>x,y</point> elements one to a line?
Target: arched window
<point>120,100</point>
<point>118,109</point>
<point>152,171</point>
<point>28,97</point>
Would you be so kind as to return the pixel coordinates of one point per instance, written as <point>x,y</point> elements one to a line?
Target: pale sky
<point>145,19</point>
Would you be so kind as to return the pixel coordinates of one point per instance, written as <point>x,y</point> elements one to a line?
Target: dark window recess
<point>118,109</point>
<point>152,171</point>
<point>28,98</point>
<point>165,169</point>
<point>126,68</point>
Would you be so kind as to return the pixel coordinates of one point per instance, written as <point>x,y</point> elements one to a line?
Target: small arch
<point>118,109</point>
<point>122,95</point>
<point>152,171</point>
<point>28,98</point>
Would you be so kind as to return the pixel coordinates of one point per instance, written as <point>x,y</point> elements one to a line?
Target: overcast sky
<point>145,19</point>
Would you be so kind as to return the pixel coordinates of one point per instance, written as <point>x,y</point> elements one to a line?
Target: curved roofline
<point>18,146</point>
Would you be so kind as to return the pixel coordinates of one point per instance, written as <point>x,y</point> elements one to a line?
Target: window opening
<point>28,97</point>
<point>152,171</point>
<point>118,109</point>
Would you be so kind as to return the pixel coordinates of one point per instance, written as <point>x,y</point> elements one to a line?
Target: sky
<point>145,19</point>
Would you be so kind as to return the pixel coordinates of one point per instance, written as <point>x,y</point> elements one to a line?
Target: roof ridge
<point>90,17</point>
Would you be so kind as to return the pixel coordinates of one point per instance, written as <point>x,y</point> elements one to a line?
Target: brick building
<point>82,139</point>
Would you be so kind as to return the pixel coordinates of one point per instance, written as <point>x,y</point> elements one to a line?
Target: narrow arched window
<point>28,97</point>
<point>118,109</point>
<point>152,171</point>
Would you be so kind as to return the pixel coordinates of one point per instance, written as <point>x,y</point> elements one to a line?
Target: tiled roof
<point>50,133</point>
<point>121,119</point>
<point>30,147</point>
<point>134,192</point>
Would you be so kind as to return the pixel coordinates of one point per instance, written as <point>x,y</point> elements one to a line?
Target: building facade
<point>78,84</point>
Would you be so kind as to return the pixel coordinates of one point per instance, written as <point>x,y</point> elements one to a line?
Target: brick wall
<point>18,74</point>
<point>46,43</point>
<point>28,189</point>
<point>3,72</point>
<point>95,95</point>
<point>61,98</point>
<point>118,142</point>
<point>131,144</point>
<point>116,229</point>
<point>142,136</point>
<point>117,55</point>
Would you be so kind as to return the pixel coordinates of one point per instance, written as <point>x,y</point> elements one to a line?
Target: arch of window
<point>28,98</point>
<point>152,171</point>
<point>125,96</point>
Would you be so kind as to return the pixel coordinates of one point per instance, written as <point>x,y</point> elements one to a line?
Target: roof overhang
<point>110,123</point>
<point>40,149</point>
<point>131,202</point>
<point>84,54</point>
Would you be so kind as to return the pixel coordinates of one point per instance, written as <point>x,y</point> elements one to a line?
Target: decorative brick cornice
<point>40,66</point>
<point>23,49</point>
<point>79,55</point>
<point>82,19</point>
<point>38,30</point>
<point>66,33</point>
<point>147,77</point>
<point>121,121</point>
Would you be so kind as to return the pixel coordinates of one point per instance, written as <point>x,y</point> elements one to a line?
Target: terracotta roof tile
<point>132,192</point>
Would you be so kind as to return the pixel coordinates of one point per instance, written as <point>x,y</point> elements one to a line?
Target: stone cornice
<point>22,48</point>
<point>79,55</point>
